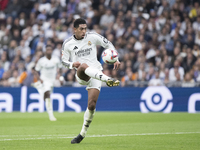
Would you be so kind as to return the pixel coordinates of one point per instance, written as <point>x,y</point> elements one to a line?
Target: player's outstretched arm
<point>100,40</point>
<point>116,65</point>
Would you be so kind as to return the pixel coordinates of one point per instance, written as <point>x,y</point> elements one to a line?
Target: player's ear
<point>75,29</point>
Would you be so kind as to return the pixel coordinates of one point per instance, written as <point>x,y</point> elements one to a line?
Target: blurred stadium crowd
<point>158,40</point>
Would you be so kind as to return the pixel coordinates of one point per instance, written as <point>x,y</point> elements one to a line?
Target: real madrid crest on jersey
<point>89,43</point>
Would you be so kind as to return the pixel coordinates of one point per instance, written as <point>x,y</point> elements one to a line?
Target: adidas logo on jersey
<point>75,48</point>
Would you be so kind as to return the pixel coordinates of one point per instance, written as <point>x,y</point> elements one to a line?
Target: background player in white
<point>47,66</point>
<point>81,49</point>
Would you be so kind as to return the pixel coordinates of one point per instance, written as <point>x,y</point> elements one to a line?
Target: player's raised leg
<point>49,106</point>
<point>97,74</point>
<point>93,95</point>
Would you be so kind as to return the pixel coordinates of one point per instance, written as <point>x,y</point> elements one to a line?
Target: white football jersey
<point>84,51</point>
<point>48,68</point>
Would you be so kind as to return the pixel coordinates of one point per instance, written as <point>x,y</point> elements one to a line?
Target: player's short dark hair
<point>49,46</point>
<point>79,21</point>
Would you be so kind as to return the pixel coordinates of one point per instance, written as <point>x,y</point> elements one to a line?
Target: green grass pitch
<point>108,131</point>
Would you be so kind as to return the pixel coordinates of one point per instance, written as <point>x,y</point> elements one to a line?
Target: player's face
<point>48,51</point>
<point>80,31</point>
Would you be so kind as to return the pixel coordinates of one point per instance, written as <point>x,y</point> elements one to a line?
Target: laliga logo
<point>156,99</point>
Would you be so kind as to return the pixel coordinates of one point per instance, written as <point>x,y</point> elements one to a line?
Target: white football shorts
<point>91,84</point>
<point>47,86</point>
<point>43,87</point>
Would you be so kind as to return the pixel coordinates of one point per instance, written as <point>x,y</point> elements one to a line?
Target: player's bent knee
<point>46,95</point>
<point>82,67</point>
<point>92,105</point>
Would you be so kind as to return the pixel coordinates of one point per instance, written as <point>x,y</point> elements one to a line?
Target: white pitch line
<point>110,135</point>
<point>35,135</point>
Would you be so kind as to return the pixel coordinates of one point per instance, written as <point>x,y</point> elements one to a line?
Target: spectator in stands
<point>18,55</point>
<point>162,71</point>
<point>69,75</point>
<point>176,52</point>
<point>71,7</point>
<point>185,23</point>
<point>16,35</point>
<point>6,38</point>
<point>27,61</point>
<point>12,50</point>
<point>130,4</point>
<point>163,7</point>
<point>13,80</point>
<point>177,30</point>
<point>134,30</point>
<point>152,27</point>
<point>25,50</point>
<point>5,64</point>
<point>107,19</point>
<point>140,59</point>
<point>197,37</point>
<point>176,73</point>
<point>57,50</point>
<point>130,76</point>
<point>196,24</point>
<point>22,19</point>
<point>154,41</point>
<point>156,81</point>
<point>13,8</point>
<point>2,31</point>
<point>188,81</point>
<point>120,29</point>
<point>139,45</point>
<point>141,71</point>
<point>21,67</point>
<point>164,35</point>
<point>194,10</point>
<point>84,4</point>
<point>188,61</point>
<point>190,41</point>
<point>170,45</point>
<point>44,5</point>
<point>9,23</point>
<point>121,71</point>
<point>151,73</point>
<point>114,74</point>
<point>166,80</point>
<point>4,80</point>
<point>53,13</point>
<point>197,71</point>
<point>196,50</point>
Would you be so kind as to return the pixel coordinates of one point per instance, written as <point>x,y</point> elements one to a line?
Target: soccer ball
<point>110,56</point>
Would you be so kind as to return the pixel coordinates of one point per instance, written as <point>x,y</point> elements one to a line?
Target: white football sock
<point>88,116</point>
<point>49,109</point>
<point>97,74</point>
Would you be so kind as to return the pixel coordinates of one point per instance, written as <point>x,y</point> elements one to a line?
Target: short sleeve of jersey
<point>38,65</point>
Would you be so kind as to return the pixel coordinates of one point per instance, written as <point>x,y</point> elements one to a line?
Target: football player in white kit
<point>47,66</point>
<point>81,48</point>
